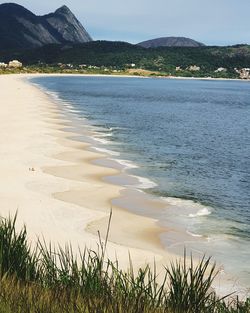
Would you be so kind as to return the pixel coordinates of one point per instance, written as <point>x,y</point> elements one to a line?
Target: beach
<point>50,182</point>
<point>59,188</point>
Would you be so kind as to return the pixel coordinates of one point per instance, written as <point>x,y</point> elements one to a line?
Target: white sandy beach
<point>59,194</point>
<point>49,180</point>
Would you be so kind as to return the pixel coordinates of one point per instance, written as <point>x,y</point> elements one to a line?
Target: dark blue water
<point>191,138</point>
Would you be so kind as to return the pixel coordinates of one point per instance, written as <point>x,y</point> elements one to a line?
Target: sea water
<point>188,141</point>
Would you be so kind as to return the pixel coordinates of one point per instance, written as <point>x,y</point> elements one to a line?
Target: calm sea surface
<point>190,143</point>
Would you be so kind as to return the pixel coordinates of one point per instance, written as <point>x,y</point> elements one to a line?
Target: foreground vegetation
<point>53,280</point>
<point>107,57</point>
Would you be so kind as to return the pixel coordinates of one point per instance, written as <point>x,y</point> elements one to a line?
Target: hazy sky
<point>213,22</point>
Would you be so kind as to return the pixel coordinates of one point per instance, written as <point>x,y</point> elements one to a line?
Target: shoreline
<point>69,170</point>
<point>130,76</point>
<point>59,197</point>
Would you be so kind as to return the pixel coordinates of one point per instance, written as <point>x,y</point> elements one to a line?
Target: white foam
<point>180,202</point>
<point>101,140</point>
<point>74,111</point>
<point>69,106</point>
<point>52,94</point>
<point>127,164</point>
<point>194,235</point>
<point>189,206</point>
<point>110,152</point>
<point>82,118</point>
<point>37,85</point>
<point>55,95</point>
<point>98,135</point>
<point>116,128</point>
<point>145,183</point>
<point>201,212</point>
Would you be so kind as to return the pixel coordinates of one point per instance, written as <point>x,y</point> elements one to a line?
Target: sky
<point>213,22</point>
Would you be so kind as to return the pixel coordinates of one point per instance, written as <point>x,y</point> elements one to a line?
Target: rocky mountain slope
<point>170,42</point>
<point>20,28</point>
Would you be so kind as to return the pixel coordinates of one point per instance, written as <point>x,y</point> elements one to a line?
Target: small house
<point>15,64</point>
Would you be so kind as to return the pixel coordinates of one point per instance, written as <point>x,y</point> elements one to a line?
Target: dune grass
<point>52,280</point>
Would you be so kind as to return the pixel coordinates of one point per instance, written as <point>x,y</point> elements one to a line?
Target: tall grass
<point>190,287</point>
<point>15,254</point>
<point>55,280</point>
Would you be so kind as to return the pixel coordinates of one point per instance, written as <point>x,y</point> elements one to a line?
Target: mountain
<point>20,28</point>
<point>170,42</point>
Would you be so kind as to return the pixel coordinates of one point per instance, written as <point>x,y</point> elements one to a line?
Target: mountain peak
<point>170,42</point>
<point>72,31</point>
<point>20,27</point>
<point>63,10</point>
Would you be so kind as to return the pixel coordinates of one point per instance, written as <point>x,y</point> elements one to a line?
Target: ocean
<point>186,142</point>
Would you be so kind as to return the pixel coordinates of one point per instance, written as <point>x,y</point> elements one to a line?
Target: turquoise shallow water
<point>189,140</point>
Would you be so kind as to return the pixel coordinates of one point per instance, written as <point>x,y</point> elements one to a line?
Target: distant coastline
<point>125,74</point>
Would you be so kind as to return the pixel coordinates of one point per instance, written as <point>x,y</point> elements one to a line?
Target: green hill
<point>120,55</point>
